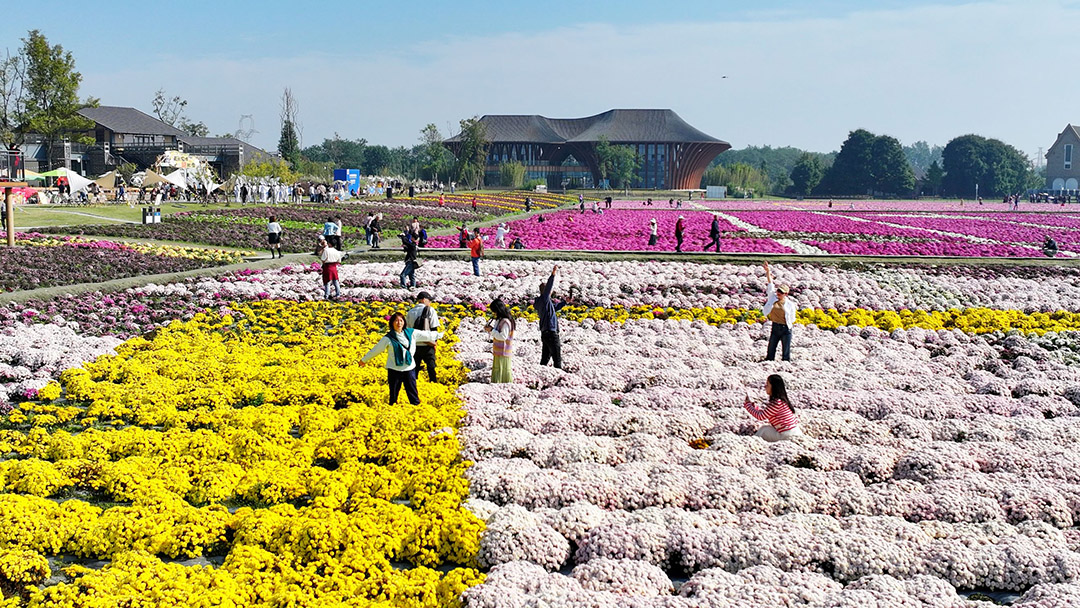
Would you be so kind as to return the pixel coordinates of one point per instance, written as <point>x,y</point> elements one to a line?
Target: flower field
<point>246,226</point>
<point>239,454</point>
<point>41,261</point>
<point>768,230</point>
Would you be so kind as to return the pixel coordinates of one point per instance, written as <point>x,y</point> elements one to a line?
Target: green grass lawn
<point>56,215</point>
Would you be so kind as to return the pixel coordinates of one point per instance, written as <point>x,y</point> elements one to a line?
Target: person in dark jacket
<point>714,234</point>
<point>409,272</point>
<point>549,322</point>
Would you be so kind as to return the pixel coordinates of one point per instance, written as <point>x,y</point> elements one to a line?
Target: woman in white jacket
<point>400,341</point>
<point>779,309</point>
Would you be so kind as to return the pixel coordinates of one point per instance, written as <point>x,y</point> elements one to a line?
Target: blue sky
<point>798,73</point>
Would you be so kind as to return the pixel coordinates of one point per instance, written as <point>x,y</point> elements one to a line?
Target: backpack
<point>423,322</point>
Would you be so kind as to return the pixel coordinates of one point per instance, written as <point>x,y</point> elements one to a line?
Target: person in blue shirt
<point>549,322</point>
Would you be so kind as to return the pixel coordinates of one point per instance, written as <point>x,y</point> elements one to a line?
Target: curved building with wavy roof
<point>562,151</point>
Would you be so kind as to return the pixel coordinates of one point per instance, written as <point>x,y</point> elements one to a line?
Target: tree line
<point>878,165</point>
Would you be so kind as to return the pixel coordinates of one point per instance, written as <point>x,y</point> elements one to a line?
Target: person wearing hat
<point>653,233</point>
<point>679,228</point>
<point>500,235</point>
<point>424,317</point>
<point>780,310</point>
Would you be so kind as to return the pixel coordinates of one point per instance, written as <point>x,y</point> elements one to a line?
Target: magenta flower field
<point>625,227</point>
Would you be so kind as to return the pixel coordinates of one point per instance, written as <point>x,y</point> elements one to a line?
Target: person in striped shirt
<point>783,423</point>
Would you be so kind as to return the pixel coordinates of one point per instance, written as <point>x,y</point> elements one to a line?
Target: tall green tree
<point>436,160</point>
<point>472,152</point>
<point>852,171</point>
<point>806,174</point>
<point>998,168</point>
<point>935,175</point>
<point>340,152</point>
<point>890,169</point>
<point>289,140</point>
<point>52,94</point>
<point>776,162</point>
<point>920,155</point>
<point>377,160</point>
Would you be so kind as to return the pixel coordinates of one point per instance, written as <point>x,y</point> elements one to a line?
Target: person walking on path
<point>501,330</point>
<point>400,341</point>
<point>424,317</point>
<point>476,251</point>
<point>500,235</point>
<point>330,259</point>
<point>547,310</point>
<point>654,234</point>
<point>780,310</point>
<point>339,232</point>
<point>714,234</point>
<point>273,237</point>
<point>367,227</point>
<point>376,229</point>
<point>783,423</point>
<point>680,227</point>
<point>409,272</point>
<point>582,204</point>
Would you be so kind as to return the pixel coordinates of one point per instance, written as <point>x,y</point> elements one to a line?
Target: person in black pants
<point>549,322</point>
<point>424,317</point>
<point>714,234</point>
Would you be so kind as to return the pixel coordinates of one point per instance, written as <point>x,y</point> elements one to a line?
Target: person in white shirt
<point>780,310</point>
<point>500,235</point>
<point>400,342</point>
<point>273,235</point>
<point>330,259</point>
<point>424,317</point>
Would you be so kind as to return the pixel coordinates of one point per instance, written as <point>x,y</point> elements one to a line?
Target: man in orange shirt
<point>476,251</point>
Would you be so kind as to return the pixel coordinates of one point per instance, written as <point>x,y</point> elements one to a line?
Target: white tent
<point>76,181</point>
<point>177,178</point>
<point>107,181</point>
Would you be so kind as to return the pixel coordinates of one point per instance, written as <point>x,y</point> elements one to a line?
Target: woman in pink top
<point>501,330</point>
<point>783,423</point>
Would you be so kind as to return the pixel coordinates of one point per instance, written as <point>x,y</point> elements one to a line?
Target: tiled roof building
<point>673,154</point>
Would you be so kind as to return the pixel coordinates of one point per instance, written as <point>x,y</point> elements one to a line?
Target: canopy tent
<point>153,178</point>
<point>177,178</point>
<point>107,181</point>
<point>32,176</point>
<point>76,181</point>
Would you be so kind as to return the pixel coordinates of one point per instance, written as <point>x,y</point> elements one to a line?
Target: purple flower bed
<point>71,263</point>
<point>1057,220</point>
<point>873,205</point>
<point>950,247</point>
<point>982,228</point>
<point>804,221</point>
<point>621,230</point>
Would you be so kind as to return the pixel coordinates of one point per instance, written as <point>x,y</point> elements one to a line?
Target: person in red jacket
<point>476,251</point>
<point>679,228</point>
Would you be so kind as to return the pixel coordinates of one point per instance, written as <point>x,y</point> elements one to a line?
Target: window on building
<point>1068,156</point>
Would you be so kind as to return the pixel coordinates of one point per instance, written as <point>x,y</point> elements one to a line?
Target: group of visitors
<point>680,233</point>
<point>412,340</point>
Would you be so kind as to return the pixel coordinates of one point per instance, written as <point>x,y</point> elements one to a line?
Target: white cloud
<point>1001,69</point>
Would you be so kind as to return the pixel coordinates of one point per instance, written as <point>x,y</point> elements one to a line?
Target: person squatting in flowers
<point>424,317</point>
<point>783,423</point>
<point>330,259</point>
<point>501,330</point>
<point>780,310</point>
<point>400,361</point>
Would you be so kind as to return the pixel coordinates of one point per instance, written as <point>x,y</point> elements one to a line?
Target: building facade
<point>123,135</point>
<point>1063,161</point>
<point>562,151</point>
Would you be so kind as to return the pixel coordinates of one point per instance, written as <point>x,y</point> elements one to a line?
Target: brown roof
<point>624,126</point>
